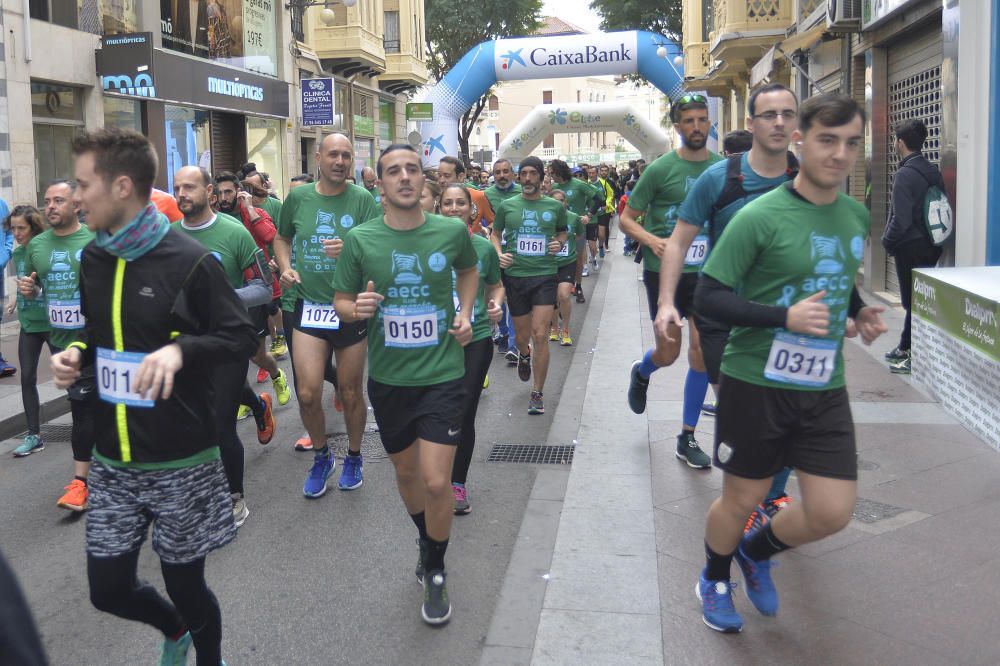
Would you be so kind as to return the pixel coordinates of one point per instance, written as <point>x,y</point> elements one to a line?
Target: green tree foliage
<point>662,16</point>
<point>456,26</point>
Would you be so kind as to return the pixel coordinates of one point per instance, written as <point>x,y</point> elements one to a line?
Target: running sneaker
<point>486,382</point>
<point>765,511</point>
<point>759,586</point>
<point>502,344</point>
<point>75,497</point>
<point>535,404</point>
<point>708,408</point>
<point>31,444</point>
<point>601,253</point>
<point>586,271</point>
<point>580,298</point>
<point>637,389</point>
<point>262,376</point>
<point>553,335</point>
<point>689,451</point>
<point>280,384</point>
<point>436,608</point>
<point>897,355</point>
<point>717,609</point>
<point>421,559</point>
<point>279,348</point>
<point>566,340</point>
<point>243,413</point>
<point>322,467</point>
<point>593,262</point>
<point>304,443</point>
<point>240,510</point>
<point>351,476</point>
<point>6,369</point>
<point>511,357</point>
<point>901,367</point>
<point>462,507</point>
<point>523,367</point>
<point>175,653</point>
<point>266,424</point>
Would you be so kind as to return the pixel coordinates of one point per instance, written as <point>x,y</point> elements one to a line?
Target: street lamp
<point>326,16</point>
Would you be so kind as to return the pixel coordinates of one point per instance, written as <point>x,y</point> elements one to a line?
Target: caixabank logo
<point>533,58</point>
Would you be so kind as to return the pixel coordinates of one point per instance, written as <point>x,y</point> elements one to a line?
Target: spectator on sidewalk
<point>6,247</point>
<point>906,237</point>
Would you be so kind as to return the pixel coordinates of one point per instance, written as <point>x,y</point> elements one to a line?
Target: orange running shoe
<point>262,376</point>
<point>266,428</point>
<point>304,443</point>
<point>75,498</point>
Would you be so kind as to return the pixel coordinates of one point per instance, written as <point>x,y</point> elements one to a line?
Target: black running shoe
<point>421,558</point>
<point>524,368</point>
<point>637,388</point>
<point>436,608</point>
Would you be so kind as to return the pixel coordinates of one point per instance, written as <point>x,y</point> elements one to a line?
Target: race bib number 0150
<point>696,253</point>
<point>531,245</point>
<point>801,360</point>
<point>407,329</point>
<point>116,375</point>
<point>66,314</point>
<point>319,315</point>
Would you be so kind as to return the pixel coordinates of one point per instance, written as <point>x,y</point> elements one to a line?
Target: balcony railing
<point>391,45</point>
<point>751,15</point>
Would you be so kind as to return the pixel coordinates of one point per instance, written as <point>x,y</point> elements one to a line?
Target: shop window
<point>387,121</point>
<point>55,102</point>
<point>123,113</point>
<point>264,148</point>
<point>188,140</point>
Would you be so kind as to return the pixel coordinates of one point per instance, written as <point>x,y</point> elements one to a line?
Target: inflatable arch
<point>633,52</point>
<point>547,119</point>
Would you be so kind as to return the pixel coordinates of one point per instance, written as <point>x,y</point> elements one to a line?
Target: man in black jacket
<point>906,237</point>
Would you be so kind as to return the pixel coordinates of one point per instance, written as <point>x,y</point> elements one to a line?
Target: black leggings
<point>29,350</point>
<point>329,372</point>
<point>115,589</point>
<point>478,356</point>
<point>228,382</point>
<point>83,433</point>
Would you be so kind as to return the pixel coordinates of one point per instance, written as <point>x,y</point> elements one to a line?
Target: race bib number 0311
<point>801,360</point>
<point>66,314</point>
<point>407,329</point>
<point>531,245</point>
<point>116,375</point>
<point>319,315</point>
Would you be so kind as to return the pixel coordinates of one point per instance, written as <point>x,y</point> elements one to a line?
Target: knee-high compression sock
<point>778,483</point>
<point>647,367</point>
<point>695,390</point>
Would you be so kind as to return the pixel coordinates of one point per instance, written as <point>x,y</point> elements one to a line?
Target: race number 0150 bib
<point>66,314</point>
<point>407,328</point>
<point>696,253</point>
<point>532,245</point>
<point>801,360</point>
<point>319,315</point>
<point>116,376</point>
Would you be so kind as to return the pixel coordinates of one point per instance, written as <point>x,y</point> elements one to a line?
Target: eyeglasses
<point>771,116</point>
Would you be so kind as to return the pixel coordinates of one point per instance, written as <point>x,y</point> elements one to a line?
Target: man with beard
<point>658,195</point>
<point>52,268</point>
<point>504,187</point>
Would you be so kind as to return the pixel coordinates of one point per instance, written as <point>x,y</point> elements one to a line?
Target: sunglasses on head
<point>688,99</point>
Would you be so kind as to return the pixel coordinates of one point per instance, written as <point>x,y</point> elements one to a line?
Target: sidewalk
<point>605,573</point>
<point>53,401</point>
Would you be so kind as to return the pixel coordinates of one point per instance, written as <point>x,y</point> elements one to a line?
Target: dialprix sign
<point>963,315</point>
<point>567,56</point>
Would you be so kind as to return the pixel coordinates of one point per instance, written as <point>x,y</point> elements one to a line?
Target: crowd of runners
<point>153,306</point>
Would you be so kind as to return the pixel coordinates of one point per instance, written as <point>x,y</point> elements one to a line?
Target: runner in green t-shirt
<point>316,219</point>
<point>783,274</point>
<point>583,199</point>
<point>370,181</point>
<point>396,275</point>
<point>455,201</point>
<point>504,183</point>
<point>570,255</point>
<point>658,196</point>
<point>532,227</point>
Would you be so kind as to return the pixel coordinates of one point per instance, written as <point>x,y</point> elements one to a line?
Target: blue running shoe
<point>350,474</point>
<point>322,467</point>
<point>759,586</point>
<point>708,408</point>
<point>717,610</point>
<point>175,652</point>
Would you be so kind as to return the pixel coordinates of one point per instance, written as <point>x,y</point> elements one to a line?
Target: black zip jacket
<point>906,223</point>
<point>177,292</point>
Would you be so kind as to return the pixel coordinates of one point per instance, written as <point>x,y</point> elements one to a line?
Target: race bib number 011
<point>531,245</point>
<point>410,329</point>
<point>116,375</point>
<point>66,314</point>
<point>696,253</point>
<point>319,315</point>
<point>801,360</point>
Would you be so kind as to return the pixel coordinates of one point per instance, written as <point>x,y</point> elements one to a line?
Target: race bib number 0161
<point>319,315</point>
<point>66,314</point>
<point>696,253</point>
<point>116,375</point>
<point>531,245</point>
<point>407,329</point>
<point>801,360</point>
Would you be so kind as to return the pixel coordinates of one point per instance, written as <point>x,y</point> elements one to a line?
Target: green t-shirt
<point>489,274</point>
<point>307,219</point>
<point>228,241</point>
<point>497,196</point>
<point>575,228</point>
<point>408,339</point>
<point>272,207</point>
<point>376,195</point>
<point>31,312</point>
<point>659,194</point>
<point>778,250</point>
<point>56,260</point>
<point>579,195</point>
<point>525,227</point>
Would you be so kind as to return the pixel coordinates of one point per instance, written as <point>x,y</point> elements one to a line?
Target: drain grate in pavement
<point>53,432</point>
<point>531,453</point>
<point>371,445</point>
<point>870,511</point>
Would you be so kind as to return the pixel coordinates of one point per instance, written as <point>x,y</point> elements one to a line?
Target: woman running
<point>573,248</point>
<point>429,197</point>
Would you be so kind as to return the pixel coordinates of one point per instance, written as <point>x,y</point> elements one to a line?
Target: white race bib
<point>696,253</point>
<point>66,314</point>
<point>532,245</point>
<point>319,315</point>
<point>801,360</point>
<point>403,329</point>
<point>116,375</point>
<point>564,250</point>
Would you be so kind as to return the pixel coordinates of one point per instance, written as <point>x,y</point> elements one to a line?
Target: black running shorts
<point>407,413</point>
<point>683,297</point>
<point>714,337</point>
<point>759,430</point>
<point>524,293</point>
<point>591,231</point>
<point>567,273</point>
<point>345,336</point>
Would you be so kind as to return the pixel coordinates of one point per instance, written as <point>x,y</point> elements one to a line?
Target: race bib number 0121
<point>801,360</point>
<point>697,252</point>
<point>407,329</point>
<point>532,245</point>
<point>116,375</point>
<point>66,314</point>
<point>319,315</point>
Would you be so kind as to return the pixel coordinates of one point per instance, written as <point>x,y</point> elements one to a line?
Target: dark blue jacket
<point>906,211</point>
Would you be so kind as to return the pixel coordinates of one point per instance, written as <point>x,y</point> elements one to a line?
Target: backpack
<point>938,219</point>
<point>733,190</point>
